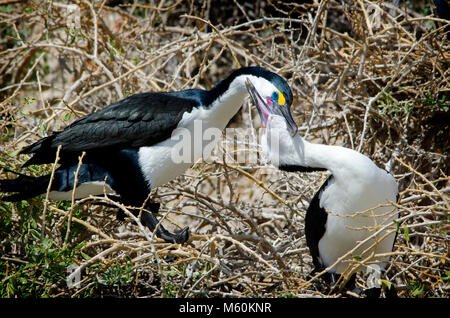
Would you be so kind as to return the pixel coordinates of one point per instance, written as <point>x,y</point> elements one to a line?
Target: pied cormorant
<point>353,203</point>
<point>129,146</point>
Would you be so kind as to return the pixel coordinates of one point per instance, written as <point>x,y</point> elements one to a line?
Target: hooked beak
<point>266,110</point>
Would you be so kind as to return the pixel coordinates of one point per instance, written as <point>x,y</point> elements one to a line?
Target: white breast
<point>196,134</point>
<point>348,224</point>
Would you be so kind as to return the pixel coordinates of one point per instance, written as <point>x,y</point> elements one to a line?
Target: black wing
<point>139,120</point>
<point>315,225</point>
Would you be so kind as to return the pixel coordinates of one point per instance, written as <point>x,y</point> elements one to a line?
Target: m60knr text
<point>247,307</point>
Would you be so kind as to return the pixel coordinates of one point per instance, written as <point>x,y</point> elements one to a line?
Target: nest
<point>367,75</point>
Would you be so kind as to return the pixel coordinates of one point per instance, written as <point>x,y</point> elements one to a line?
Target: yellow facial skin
<point>278,98</point>
<point>281,99</point>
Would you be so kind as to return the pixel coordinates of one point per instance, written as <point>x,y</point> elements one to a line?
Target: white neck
<point>219,113</point>
<point>229,103</point>
<point>295,151</point>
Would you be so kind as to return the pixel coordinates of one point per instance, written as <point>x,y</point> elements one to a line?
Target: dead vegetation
<point>365,74</point>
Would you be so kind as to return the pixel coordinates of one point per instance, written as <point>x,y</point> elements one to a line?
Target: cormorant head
<point>272,97</point>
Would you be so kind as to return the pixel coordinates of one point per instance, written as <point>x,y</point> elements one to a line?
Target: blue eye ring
<point>275,97</point>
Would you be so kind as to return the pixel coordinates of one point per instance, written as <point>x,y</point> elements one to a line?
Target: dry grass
<point>366,75</point>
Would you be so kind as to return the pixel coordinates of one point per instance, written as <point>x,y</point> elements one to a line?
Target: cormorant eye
<point>275,97</point>
<point>278,98</point>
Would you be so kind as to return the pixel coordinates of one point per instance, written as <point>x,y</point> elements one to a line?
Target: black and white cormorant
<point>349,207</point>
<point>129,145</point>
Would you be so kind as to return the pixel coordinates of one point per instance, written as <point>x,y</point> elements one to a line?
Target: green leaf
<point>35,234</point>
<point>80,246</point>
<point>406,233</point>
<point>13,153</point>
<point>397,226</point>
<point>85,256</point>
<point>67,116</point>
<point>418,290</point>
<point>385,282</point>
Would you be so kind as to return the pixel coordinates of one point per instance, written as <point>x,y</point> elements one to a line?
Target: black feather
<point>140,120</point>
<point>24,186</point>
<point>315,220</point>
<point>297,168</point>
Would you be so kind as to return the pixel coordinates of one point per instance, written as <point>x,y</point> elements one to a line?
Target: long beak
<point>286,112</point>
<point>261,106</point>
<point>265,110</point>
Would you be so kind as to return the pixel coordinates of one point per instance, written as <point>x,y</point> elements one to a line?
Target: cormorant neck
<point>227,88</point>
<point>227,97</point>
<point>297,154</point>
<point>342,162</point>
